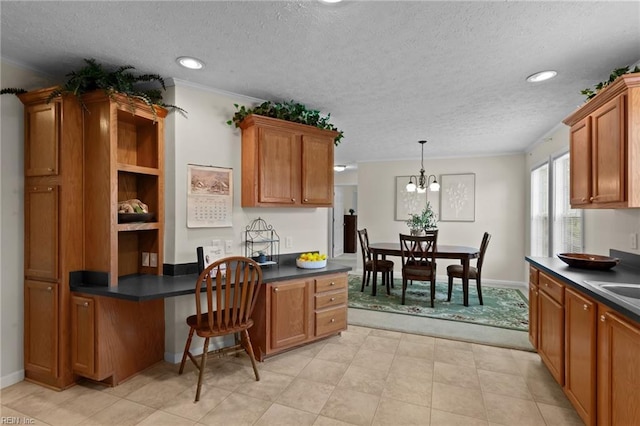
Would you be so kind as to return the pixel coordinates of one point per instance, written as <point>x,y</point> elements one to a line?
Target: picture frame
<point>458,197</point>
<point>207,255</point>
<point>407,203</point>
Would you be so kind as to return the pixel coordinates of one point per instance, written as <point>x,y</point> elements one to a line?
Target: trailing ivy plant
<point>590,93</point>
<point>289,111</point>
<point>93,76</point>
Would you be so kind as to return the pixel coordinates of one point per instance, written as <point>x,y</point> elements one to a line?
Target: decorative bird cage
<point>262,243</point>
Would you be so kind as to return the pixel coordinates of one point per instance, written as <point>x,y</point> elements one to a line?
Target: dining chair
<point>235,283</point>
<point>456,271</point>
<point>418,261</point>
<point>383,266</point>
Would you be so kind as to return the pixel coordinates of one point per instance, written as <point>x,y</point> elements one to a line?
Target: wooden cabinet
<point>618,372</point>
<point>53,217</point>
<point>286,164</point>
<point>83,341</point>
<point>551,325</point>
<point>350,230</point>
<point>124,150</point>
<point>533,306</point>
<point>580,354</point>
<point>605,147</point>
<point>299,311</point>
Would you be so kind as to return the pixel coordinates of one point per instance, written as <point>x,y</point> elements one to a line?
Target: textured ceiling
<point>390,73</point>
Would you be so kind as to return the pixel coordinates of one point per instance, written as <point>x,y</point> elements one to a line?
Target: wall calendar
<point>209,197</point>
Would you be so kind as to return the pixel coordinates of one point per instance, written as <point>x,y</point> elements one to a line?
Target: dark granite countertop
<point>140,288</point>
<point>588,281</point>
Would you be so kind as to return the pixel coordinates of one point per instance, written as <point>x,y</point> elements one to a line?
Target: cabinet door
<point>580,163</point>
<point>41,327</point>
<point>609,152</point>
<point>290,315</point>
<point>279,167</point>
<point>41,232</point>
<point>618,370</point>
<point>83,335</point>
<point>533,315</point>
<point>42,138</point>
<point>551,335</point>
<point>580,354</point>
<point>317,170</point>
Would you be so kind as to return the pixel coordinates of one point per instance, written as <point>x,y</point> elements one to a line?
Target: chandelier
<point>421,182</point>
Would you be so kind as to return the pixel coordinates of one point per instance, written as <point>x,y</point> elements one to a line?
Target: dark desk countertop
<point>139,288</point>
<point>582,279</point>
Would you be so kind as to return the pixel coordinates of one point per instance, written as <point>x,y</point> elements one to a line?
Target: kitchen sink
<point>626,290</point>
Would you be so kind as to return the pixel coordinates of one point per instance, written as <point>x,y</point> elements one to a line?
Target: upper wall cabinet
<point>286,164</point>
<point>605,147</point>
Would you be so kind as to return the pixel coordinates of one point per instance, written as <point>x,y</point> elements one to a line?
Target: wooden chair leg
<point>479,290</point>
<point>404,289</point>
<point>364,279</point>
<point>450,288</point>
<point>368,277</point>
<point>203,363</point>
<point>392,278</point>
<point>433,290</point>
<point>249,349</point>
<point>186,350</point>
<point>386,277</point>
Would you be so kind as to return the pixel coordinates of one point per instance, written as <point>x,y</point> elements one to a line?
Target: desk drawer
<point>328,299</point>
<point>553,288</point>
<point>533,275</point>
<point>331,321</point>
<point>331,282</point>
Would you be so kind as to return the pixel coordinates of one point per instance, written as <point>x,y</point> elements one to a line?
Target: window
<point>550,199</point>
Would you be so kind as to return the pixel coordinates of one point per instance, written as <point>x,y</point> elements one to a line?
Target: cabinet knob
<point>85,304</point>
<point>49,189</point>
<point>332,299</point>
<point>332,283</point>
<point>333,320</point>
<point>49,288</point>
<point>293,199</point>
<point>49,169</point>
<point>584,199</point>
<point>602,318</point>
<point>275,289</point>
<point>585,307</point>
<point>306,199</point>
<point>590,198</point>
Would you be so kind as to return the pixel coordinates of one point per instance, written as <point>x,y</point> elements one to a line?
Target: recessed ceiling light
<point>339,167</point>
<point>189,62</point>
<point>330,1</point>
<point>541,76</point>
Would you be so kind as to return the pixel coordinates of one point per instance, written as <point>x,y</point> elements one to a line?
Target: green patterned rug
<point>503,307</point>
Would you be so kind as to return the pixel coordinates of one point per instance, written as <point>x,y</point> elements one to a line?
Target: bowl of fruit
<point>311,261</point>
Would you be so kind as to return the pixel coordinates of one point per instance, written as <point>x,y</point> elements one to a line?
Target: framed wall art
<point>458,197</point>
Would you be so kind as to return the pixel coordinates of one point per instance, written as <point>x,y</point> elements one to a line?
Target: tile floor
<point>365,376</point>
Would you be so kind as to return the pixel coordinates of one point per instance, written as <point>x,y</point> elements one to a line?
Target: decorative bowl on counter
<point>311,264</point>
<point>588,261</point>
<point>135,217</point>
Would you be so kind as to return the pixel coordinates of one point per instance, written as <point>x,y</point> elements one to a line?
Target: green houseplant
<point>94,76</point>
<point>590,93</point>
<point>419,222</point>
<point>289,111</point>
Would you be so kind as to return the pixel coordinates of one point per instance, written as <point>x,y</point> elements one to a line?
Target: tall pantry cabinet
<point>53,242</point>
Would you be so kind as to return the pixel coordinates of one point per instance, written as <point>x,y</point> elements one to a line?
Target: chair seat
<point>381,265</point>
<point>218,329</point>
<point>456,271</point>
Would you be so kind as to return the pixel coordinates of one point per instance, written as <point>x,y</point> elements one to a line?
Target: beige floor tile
<point>310,350</point>
<point>491,361</point>
<point>351,406</point>
<point>419,338</point>
<point>359,329</point>
<point>381,344</point>
<point>350,338</point>
<point>509,411</point>
<point>160,418</point>
<point>84,406</point>
<point>290,364</point>
<point>454,344</point>
<point>443,418</point>
<point>454,356</point>
<point>504,384</point>
<point>236,410</point>
<point>458,400</point>
<point>490,350</point>
<point>554,415</point>
<point>306,395</point>
<point>328,421</point>
<point>278,415</point>
<point>225,375</point>
<point>386,333</point>
<point>132,384</point>
<point>158,392</point>
<point>43,403</point>
<point>320,370</point>
<point>416,349</point>
<point>546,390</point>
<point>525,355</point>
<point>531,367</point>
<point>122,413</point>
<point>404,366</point>
<point>373,360</point>
<point>456,375</point>
<point>364,380</point>
<point>408,389</point>
<point>337,353</point>
<point>18,418</point>
<point>391,412</point>
<point>183,404</point>
<point>268,388</point>
<point>17,391</point>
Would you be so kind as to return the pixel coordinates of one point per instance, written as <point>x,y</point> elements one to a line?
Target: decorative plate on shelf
<point>135,217</point>
<point>588,261</point>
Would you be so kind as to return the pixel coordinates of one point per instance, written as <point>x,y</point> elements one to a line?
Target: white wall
<point>500,192</point>
<point>604,229</point>
<point>11,220</point>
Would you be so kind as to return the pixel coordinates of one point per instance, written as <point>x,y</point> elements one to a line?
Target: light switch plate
<point>145,258</point>
<point>633,240</point>
<point>228,246</point>
<point>153,260</point>
<point>288,242</point>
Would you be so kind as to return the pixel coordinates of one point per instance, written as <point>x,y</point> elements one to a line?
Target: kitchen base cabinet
<point>41,331</point>
<point>551,325</point>
<point>618,372</point>
<point>533,307</point>
<point>296,312</point>
<point>113,339</point>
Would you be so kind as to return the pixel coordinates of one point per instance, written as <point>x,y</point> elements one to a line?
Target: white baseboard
<point>11,379</point>
<point>196,349</point>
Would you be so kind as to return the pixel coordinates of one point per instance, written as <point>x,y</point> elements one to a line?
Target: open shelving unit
<point>260,237</point>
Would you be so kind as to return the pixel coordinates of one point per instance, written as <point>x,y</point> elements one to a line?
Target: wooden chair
<point>383,266</point>
<point>418,261</point>
<point>235,282</point>
<point>455,271</point>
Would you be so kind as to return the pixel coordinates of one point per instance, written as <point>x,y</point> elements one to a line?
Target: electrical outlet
<point>228,246</point>
<point>288,242</point>
<point>633,240</point>
<point>153,260</point>
<point>145,258</point>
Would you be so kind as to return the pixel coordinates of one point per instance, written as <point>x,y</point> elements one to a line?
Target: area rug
<point>503,307</point>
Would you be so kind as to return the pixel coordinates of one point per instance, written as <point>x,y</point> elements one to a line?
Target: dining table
<point>463,253</point>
